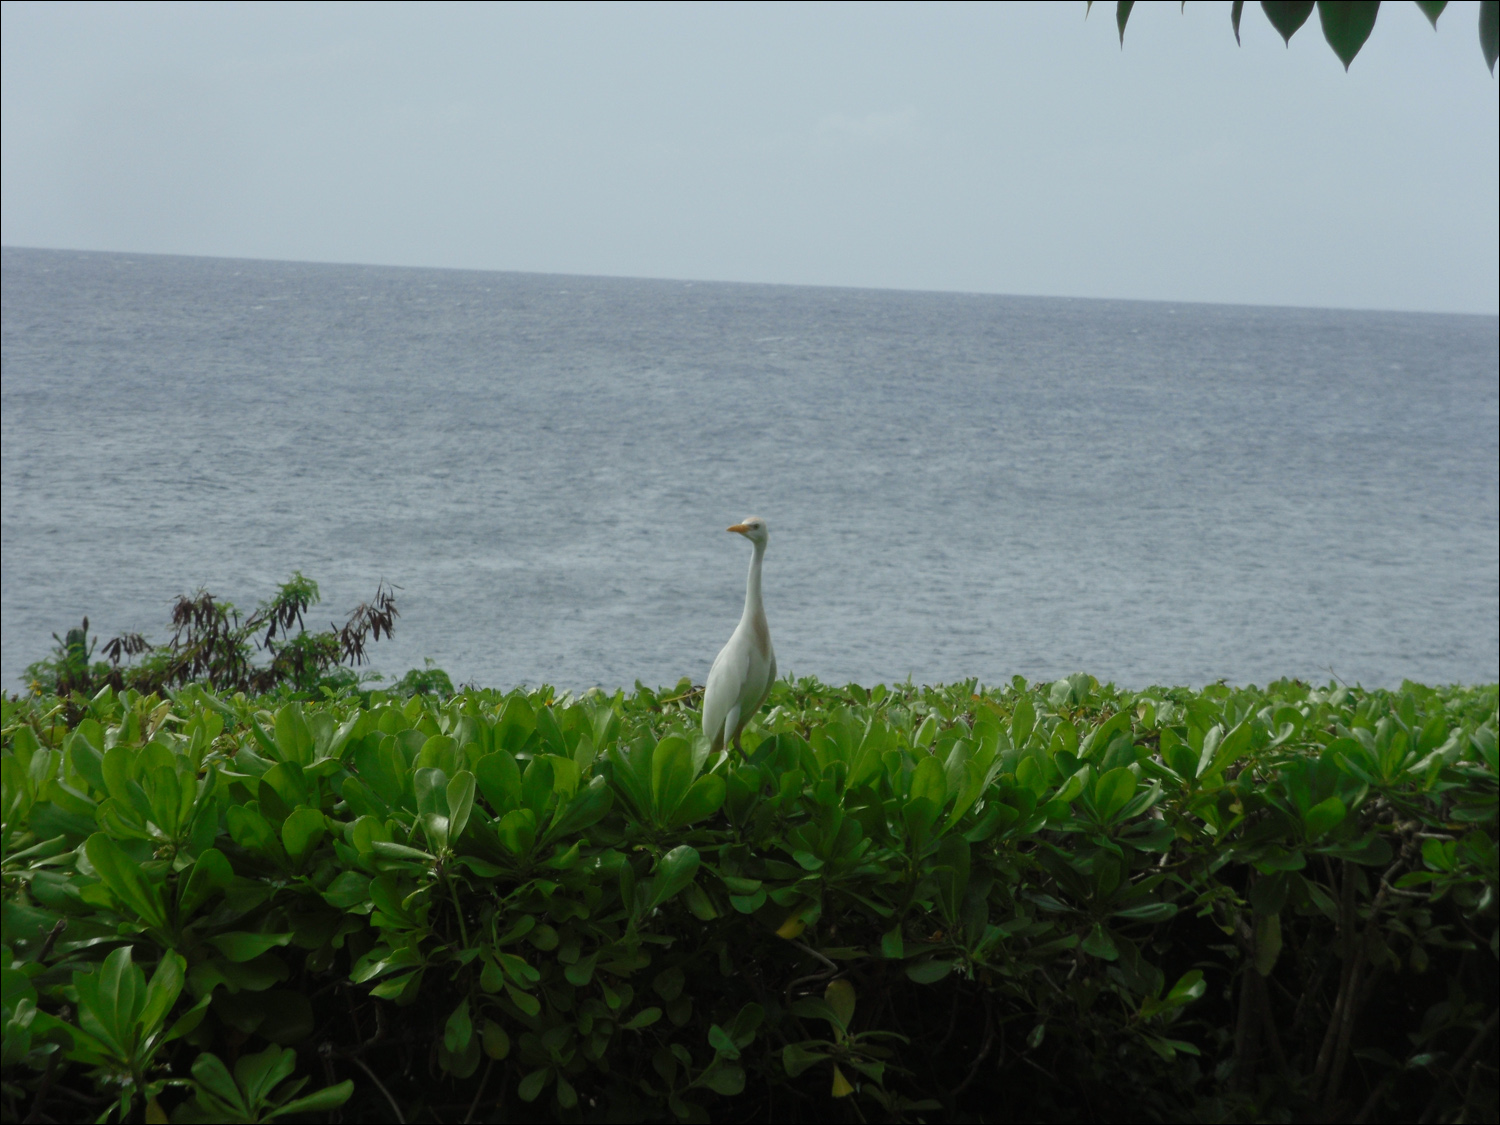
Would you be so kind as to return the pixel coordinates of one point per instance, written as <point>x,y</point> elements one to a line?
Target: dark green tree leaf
<point>1347,24</point>
<point>1287,16</point>
<point>1489,31</point>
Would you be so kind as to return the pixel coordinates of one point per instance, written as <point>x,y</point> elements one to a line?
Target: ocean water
<point>956,485</point>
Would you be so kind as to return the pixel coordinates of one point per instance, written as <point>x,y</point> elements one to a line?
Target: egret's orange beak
<point>741,528</point>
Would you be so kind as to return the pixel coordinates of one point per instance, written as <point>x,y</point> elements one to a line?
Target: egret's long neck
<point>754,608</point>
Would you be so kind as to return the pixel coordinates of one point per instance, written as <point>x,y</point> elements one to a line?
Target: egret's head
<point>752,528</point>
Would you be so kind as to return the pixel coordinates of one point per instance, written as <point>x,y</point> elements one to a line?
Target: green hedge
<point>1040,902</point>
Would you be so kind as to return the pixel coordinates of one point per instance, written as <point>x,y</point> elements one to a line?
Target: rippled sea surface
<point>957,486</point>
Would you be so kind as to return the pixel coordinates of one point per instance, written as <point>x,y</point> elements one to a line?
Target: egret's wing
<point>726,679</point>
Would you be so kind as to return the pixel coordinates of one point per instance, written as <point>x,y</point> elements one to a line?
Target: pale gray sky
<point>1007,148</point>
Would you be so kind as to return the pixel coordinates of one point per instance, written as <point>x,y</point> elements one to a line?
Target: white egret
<point>745,669</point>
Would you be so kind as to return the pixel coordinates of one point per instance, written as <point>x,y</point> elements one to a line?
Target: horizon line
<point>722,281</point>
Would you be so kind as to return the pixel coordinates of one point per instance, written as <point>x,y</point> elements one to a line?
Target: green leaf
<point>188,1021</point>
<point>671,774</point>
<point>675,871</point>
<point>1070,789</point>
<point>213,1076</point>
<point>499,779</point>
<point>566,774</point>
<point>704,798</point>
<point>588,806</point>
<point>925,733</point>
<point>251,831</point>
<point>814,1008</point>
<point>537,786</point>
<point>528,1003</point>
<point>521,971</point>
<point>929,781</point>
<point>1432,9</point>
<point>431,787</point>
<point>1189,987</point>
<point>289,782</point>
<point>302,831</point>
<point>928,972</point>
<point>162,992</point>
<point>1148,912</point>
<point>892,947</point>
<point>24,744</point>
<point>439,752</point>
<point>1287,16</point>
<point>1489,31</point>
<point>839,996</point>
<point>1347,24</point>
<point>351,888</point>
<point>459,1029</point>
<point>262,739</point>
<point>111,998</point>
<point>1324,817</point>
<point>1031,776</point>
<point>164,794</point>
<point>460,803</point>
<point>668,983</point>
<point>387,849</point>
<point>481,868</point>
<point>259,1073</point>
<point>1022,720</point>
<point>1279,859</point>
<point>581,972</point>
<point>1168,1048</point>
<point>530,1087</point>
<point>722,1043</point>
<point>1122,14</point>
<point>125,881</point>
<point>328,1098</point>
<point>517,831</point>
<point>1100,944</point>
<point>926,798</point>
<point>1149,835</point>
<point>294,740</point>
<point>952,864</point>
<point>393,988</point>
<point>698,902</point>
<point>1440,855</point>
<point>1112,792</point>
<point>247,947</point>
<point>1372,851</point>
<point>1219,755</point>
<point>496,1041</point>
<point>746,1021</point>
<point>644,1018</point>
<point>797,1058</point>
<point>1180,758</point>
<point>211,873</point>
<point>724,1079</point>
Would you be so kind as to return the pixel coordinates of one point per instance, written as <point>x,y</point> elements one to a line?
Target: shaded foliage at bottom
<point>1039,902</point>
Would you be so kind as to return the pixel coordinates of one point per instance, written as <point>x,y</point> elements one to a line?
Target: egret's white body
<point>745,669</point>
